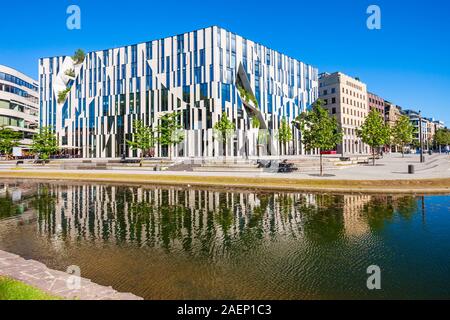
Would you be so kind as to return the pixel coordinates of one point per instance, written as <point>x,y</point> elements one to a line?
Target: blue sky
<point>406,62</point>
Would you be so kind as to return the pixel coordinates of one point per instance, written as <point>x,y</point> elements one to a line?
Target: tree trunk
<point>403,150</point>
<point>373,156</point>
<point>142,159</point>
<point>321,164</point>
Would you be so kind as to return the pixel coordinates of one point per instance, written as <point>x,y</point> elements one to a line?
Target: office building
<point>199,74</point>
<point>18,103</point>
<point>345,98</point>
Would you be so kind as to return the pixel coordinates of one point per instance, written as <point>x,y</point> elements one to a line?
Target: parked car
<point>328,152</point>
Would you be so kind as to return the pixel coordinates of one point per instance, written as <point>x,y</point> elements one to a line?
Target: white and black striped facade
<point>195,73</point>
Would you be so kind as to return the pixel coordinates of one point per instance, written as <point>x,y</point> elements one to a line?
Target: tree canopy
<point>442,137</point>
<point>170,130</point>
<point>224,129</point>
<point>45,143</point>
<point>374,132</point>
<point>403,132</point>
<point>284,133</point>
<point>319,129</point>
<point>143,138</point>
<point>8,140</point>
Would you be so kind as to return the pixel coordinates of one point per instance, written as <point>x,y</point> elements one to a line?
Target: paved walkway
<point>391,167</point>
<point>55,282</point>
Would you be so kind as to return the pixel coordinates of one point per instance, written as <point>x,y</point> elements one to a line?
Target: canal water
<point>187,243</point>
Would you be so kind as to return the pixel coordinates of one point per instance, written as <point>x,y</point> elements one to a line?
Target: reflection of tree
<point>142,216</point>
<point>259,211</point>
<point>225,218</point>
<point>44,204</point>
<point>406,206</point>
<point>8,208</point>
<point>323,221</point>
<point>382,209</point>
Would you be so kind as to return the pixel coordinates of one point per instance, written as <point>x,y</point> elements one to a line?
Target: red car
<point>328,152</point>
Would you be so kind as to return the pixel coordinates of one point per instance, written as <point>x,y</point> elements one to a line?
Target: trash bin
<point>411,169</point>
<point>430,152</point>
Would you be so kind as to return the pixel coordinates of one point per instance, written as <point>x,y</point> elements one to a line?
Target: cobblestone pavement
<point>55,282</point>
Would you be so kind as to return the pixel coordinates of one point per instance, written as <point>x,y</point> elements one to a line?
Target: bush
<point>70,73</point>
<point>247,96</point>
<point>78,57</point>
<point>62,95</point>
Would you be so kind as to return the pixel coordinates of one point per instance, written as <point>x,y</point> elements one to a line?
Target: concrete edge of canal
<point>57,283</point>
<point>412,186</point>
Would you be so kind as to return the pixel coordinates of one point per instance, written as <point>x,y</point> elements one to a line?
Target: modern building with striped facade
<point>18,103</point>
<point>199,74</point>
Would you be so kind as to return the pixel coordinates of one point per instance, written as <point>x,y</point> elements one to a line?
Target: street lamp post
<point>422,160</point>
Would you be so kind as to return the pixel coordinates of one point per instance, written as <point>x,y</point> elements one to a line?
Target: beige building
<point>346,99</point>
<point>392,113</point>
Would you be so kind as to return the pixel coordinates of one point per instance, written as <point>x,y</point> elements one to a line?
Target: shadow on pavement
<point>324,176</point>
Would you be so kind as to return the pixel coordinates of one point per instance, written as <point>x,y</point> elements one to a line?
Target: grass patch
<point>15,290</point>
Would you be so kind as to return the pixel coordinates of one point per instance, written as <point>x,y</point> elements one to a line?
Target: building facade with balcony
<point>346,99</point>
<point>19,107</point>
<point>199,74</point>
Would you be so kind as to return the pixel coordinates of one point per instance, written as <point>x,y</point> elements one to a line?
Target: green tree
<point>62,95</point>
<point>442,137</point>
<point>170,131</point>
<point>319,130</point>
<point>284,134</point>
<point>255,123</point>
<point>374,132</point>
<point>45,143</point>
<point>263,139</point>
<point>143,138</point>
<point>78,56</point>
<point>224,130</point>
<point>402,133</point>
<point>8,140</point>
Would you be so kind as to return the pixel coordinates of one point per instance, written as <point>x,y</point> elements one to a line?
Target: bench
<point>285,167</point>
<point>129,161</point>
<point>39,161</point>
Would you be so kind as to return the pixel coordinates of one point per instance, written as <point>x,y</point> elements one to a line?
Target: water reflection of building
<point>204,221</point>
<point>165,217</point>
<point>16,201</point>
<point>355,223</point>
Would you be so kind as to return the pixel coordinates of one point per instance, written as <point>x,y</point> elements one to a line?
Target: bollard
<point>411,169</point>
